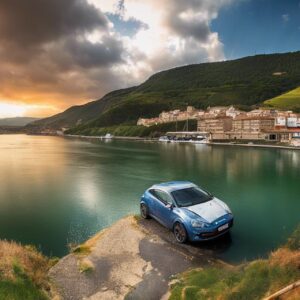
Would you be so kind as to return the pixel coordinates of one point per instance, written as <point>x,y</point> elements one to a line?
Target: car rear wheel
<point>144,211</point>
<point>180,233</point>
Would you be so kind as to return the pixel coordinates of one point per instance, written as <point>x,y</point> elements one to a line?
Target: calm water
<point>55,191</point>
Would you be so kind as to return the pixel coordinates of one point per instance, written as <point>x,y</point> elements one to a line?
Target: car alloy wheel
<point>180,233</point>
<point>144,211</point>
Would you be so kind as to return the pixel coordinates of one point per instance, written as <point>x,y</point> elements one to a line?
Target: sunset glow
<point>8,110</point>
<point>87,48</point>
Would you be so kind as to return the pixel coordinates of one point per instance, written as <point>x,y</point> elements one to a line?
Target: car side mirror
<point>170,206</point>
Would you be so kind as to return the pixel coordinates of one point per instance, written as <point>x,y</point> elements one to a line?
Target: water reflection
<point>55,191</point>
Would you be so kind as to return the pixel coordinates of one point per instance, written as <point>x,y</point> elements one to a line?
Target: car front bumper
<point>213,231</point>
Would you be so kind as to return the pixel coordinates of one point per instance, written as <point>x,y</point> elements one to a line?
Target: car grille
<point>215,232</point>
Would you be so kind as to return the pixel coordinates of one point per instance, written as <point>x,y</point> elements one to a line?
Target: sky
<point>59,53</point>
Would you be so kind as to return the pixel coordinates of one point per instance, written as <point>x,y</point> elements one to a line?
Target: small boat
<point>108,136</point>
<point>164,139</point>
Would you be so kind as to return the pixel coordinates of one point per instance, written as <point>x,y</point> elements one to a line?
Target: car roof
<point>173,185</point>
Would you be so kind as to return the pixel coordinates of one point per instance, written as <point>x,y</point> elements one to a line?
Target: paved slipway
<point>129,260</point>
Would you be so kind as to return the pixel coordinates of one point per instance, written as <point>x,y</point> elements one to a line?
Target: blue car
<point>190,212</point>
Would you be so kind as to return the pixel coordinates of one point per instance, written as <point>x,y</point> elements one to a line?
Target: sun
<point>8,110</point>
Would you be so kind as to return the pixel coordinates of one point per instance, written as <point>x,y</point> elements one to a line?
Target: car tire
<point>180,233</point>
<point>144,211</point>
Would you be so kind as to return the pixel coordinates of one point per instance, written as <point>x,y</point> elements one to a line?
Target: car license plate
<point>223,227</point>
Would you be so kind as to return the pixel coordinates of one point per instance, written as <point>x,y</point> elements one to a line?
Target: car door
<point>164,208</point>
<point>154,204</point>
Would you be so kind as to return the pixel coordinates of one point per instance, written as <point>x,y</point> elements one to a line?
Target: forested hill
<point>245,82</point>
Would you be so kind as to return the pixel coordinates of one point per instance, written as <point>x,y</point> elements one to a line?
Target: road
<point>132,259</point>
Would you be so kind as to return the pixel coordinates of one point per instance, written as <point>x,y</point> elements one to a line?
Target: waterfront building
<point>228,123</point>
<point>262,112</point>
<point>211,124</point>
<point>217,110</point>
<point>172,116</point>
<point>233,112</point>
<point>148,122</point>
<point>253,124</point>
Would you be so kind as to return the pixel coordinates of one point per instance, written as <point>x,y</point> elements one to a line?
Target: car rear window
<point>190,196</point>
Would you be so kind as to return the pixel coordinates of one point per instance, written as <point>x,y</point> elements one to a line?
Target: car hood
<point>210,210</point>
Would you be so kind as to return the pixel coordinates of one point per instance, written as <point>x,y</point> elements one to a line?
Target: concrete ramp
<point>131,259</point>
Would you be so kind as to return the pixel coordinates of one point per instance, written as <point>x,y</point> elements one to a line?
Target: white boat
<point>164,139</point>
<point>108,136</point>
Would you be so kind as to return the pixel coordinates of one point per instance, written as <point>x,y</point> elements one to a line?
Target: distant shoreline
<point>257,146</point>
<point>102,138</point>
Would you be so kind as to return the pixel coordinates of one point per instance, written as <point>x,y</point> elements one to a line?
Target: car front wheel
<point>180,233</point>
<point>144,211</point>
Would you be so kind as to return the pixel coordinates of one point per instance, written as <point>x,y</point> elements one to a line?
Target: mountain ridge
<point>243,82</point>
<point>17,121</point>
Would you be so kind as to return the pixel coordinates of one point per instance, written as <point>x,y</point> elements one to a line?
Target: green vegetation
<point>133,130</point>
<point>79,114</point>
<point>82,250</point>
<point>289,101</point>
<point>86,266</point>
<point>21,287</point>
<point>253,280</point>
<point>293,242</point>
<point>23,273</point>
<point>245,82</point>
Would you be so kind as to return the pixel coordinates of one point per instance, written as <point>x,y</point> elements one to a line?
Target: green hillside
<point>243,82</point>
<point>289,100</point>
<point>79,114</point>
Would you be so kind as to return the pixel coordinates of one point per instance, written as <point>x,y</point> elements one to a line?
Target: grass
<point>21,287</point>
<point>253,280</point>
<point>293,242</point>
<point>23,272</point>
<point>82,250</point>
<point>287,101</point>
<point>86,266</point>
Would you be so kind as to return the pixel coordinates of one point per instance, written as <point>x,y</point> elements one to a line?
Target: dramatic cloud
<point>63,52</point>
<point>56,52</point>
<point>33,22</point>
<point>176,32</point>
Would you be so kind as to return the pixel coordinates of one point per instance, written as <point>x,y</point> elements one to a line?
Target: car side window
<point>153,193</point>
<point>164,197</point>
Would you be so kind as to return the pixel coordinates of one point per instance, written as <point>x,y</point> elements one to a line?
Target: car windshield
<point>190,196</point>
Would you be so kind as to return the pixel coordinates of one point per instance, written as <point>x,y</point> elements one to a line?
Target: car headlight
<point>197,223</point>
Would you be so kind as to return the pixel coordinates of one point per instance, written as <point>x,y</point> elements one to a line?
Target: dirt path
<point>128,260</point>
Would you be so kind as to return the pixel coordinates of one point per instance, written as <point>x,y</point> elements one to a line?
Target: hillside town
<point>227,123</point>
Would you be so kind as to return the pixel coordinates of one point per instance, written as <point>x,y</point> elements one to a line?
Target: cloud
<point>32,22</point>
<point>62,52</point>
<point>176,32</point>
<point>48,54</point>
